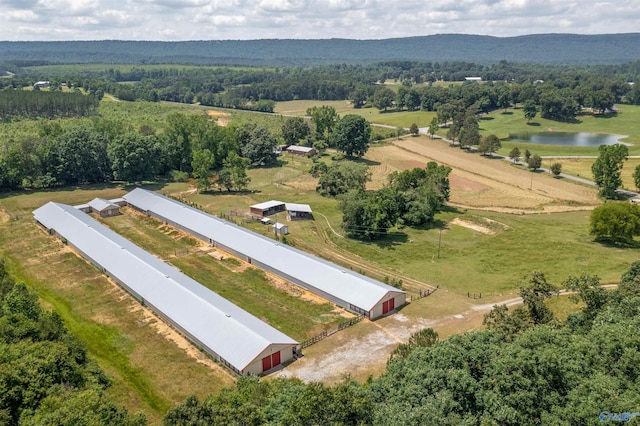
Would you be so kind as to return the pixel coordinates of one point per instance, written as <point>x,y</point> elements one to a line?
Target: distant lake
<point>567,139</point>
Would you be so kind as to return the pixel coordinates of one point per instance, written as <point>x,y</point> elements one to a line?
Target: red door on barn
<point>270,361</point>
<point>388,306</point>
<point>266,363</point>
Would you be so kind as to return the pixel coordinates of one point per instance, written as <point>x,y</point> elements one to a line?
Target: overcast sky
<point>176,20</point>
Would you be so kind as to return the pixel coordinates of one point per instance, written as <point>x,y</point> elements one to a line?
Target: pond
<point>567,139</point>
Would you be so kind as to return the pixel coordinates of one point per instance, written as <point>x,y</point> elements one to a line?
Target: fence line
<point>329,332</point>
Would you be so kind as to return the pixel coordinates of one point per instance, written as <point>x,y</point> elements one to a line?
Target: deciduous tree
<point>556,169</point>
<point>608,167</point>
<point>530,110</point>
<point>489,144</point>
<point>134,157</point>
<point>636,177</point>
<point>616,220</point>
<point>351,135</point>
<point>294,130</point>
<point>515,154</point>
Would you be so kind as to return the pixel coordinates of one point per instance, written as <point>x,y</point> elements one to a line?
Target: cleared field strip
<point>284,307</point>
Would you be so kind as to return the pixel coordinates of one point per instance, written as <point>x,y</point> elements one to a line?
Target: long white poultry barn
<point>236,338</point>
<point>344,287</point>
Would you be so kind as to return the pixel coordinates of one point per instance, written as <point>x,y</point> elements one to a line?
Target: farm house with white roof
<point>236,338</point>
<point>344,287</point>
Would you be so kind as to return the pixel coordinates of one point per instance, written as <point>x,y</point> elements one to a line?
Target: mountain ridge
<point>551,48</point>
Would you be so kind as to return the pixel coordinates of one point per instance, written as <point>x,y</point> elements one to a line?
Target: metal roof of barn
<point>293,207</point>
<point>344,284</point>
<point>266,205</point>
<point>100,204</point>
<point>223,327</point>
<point>299,148</point>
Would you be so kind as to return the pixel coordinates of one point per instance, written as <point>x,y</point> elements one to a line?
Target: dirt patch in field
<point>473,226</point>
<point>222,118</point>
<point>458,183</point>
<point>4,216</point>
<point>163,329</point>
<point>483,183</point>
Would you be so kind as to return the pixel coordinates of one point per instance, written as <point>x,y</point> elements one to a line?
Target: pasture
<point>625,122</point>
<point>402,119</point>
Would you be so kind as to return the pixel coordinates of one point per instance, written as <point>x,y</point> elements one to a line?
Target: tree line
<point>100,150</point>
<point>559,91</point>
<point>46,375</point>
<point>44,104</point>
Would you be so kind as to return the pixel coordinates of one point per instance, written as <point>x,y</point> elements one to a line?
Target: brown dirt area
<point>222,118</point>
<point>364,349</point>
<point>4,217</point>
<point>473,226</point>
<point>483,183</point>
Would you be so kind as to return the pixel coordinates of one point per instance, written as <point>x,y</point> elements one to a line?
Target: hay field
<point>482,183</point>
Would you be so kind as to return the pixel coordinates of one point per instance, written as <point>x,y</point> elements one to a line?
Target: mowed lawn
<point>276,303</point>
<point>389,118</point>
<point>582,167</point>
<point>626,122</point>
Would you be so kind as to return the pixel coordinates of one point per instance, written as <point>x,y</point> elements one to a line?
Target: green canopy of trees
<point>351,135</point>
<point>617,220</point>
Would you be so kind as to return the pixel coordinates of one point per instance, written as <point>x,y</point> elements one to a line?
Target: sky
<point>177,20</point>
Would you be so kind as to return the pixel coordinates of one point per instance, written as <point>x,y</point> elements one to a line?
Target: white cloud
<point>359,19</point>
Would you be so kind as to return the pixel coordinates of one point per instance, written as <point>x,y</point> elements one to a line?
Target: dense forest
<point>46,376</point>
<point>541,48</point>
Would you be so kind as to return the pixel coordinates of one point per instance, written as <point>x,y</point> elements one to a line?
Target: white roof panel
<point>100,204</point>
<point>266,205</point>
<point>351,287</point>
<point>226,329</point>
<point>299,148</point>
<point>298,207</point>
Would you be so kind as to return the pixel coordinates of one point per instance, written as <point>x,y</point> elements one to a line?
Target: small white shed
<point>281,228</point>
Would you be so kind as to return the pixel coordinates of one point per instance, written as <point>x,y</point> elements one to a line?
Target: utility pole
<point>439,241</point>
<point>275,228</point>
<point>531,184</point>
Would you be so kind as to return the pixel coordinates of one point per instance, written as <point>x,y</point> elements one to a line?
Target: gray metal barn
<point>236,338</point>
<point>344,287</point>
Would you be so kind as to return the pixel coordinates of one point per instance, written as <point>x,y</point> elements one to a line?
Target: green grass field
<point>373,115</point>
<point>626,122</point>
<point>582,167</point>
